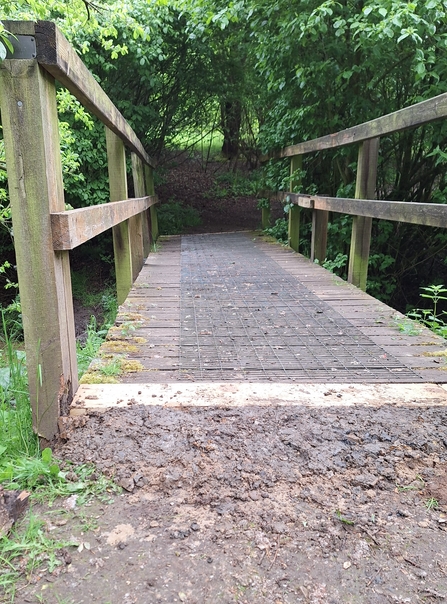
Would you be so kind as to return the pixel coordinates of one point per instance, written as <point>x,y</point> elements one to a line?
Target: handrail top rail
<point>409,117</point>
<point>57,56</point>
<point>71,228</point>
<point>427,214</point>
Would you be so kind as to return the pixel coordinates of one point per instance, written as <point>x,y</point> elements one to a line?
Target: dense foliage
<point>266,74</point>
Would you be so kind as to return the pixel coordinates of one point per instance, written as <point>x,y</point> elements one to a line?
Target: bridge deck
<point>235,308</point>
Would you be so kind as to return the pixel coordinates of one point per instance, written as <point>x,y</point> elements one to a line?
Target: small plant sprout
<point>407,325</point>
<point>432,504</point>
<point>434,293</point>
<point>342,518</point>
<point>412,486</point>
<point>431,318</point>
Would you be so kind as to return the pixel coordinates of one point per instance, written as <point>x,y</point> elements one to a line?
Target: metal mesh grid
<point>244,318</point>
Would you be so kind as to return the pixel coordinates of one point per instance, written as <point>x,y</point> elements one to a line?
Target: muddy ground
<point>257,505</point>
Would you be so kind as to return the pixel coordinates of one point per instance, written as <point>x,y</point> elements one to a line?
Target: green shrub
<point>174,217</point>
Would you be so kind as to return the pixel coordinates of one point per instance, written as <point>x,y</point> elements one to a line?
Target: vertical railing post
<point>265,215</point>
<point>116,159</point>
<point>31,135</point>
<point>139,186</point>
<point>149,177</point>
<point>294,211</point>
<point>318,242</point>
<point>361,227</point>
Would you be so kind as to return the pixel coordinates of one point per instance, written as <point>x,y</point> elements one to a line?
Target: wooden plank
<point>101,397</point>
<point>116,157</point>
<point>428,214</point>
<point>149,179</point>
<point>74,227</point>
<point>409,117</point>
<point>318,243</point>
<point>31,134</point>
<point>294,212</point>
<point>139,185</point>
<point>265,217</point>
<point>361,226</point>
<point>60,59</point>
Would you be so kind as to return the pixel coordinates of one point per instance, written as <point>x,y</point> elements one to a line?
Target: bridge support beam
<point>149,177</point>
<point>361,227</point>
<point>265,216</point>
<point>124,268</point>
<point>318,244</point>
<point>294,212</point>
<point>139,185</point>
<point>31,134</point>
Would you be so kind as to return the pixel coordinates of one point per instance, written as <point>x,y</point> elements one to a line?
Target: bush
<point>174,218</point>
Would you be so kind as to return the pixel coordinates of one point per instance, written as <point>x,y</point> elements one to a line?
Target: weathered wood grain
<point>139,186</point>
<point>428,214</point>
<point>31,134</point>
<point>409,117</point>
<point>296,164</point>
<point>149,179</point>
<point>318,242</point>
<point>73,227</point>
<point>361,226</point>
<point>116,158</point>
<point>59,58</point>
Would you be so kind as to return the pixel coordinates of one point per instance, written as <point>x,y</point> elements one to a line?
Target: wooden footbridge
<point>231,318</point>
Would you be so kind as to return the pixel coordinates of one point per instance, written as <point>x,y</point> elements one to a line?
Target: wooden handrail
<point>74,227</point>
<point>43,231</point>
<point>409,117</point>
<point>363,208</point>
<point>59,58</point>
<point>427,214</point>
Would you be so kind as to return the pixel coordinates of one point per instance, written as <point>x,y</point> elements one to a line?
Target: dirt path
<point>280,504</point>
<point>220,207</point>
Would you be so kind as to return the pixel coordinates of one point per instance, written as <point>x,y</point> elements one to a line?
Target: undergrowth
<point>279,230</point>
<point>88,350</point>
<point>105,301</point>
<point>431,317</point>
<point>174,217</point>
<point>236,184</point>
<point>29,546</point>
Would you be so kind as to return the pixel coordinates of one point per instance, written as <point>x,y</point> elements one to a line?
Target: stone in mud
<point>365,480</point>
<point>126,482</point>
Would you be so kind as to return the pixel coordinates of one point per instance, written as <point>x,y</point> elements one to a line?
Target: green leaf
<point>420,69</point>
<point>2,51</point>
<point>6,474</point>
<point>54,470</point>
<point>2,449</point>
<point>383,12</point>
<point>5,377</point>
<point>47,455</point>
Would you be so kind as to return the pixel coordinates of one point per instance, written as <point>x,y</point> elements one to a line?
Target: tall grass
<point>17,438</point>
<point>29,545</point>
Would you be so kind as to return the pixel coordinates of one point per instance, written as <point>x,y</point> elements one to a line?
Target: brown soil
<point>269,505</point>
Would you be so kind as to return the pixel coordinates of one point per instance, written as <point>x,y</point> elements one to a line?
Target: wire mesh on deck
<point>244,318</point>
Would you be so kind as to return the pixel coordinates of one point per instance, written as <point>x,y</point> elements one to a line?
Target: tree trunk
<point>231,116</point>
